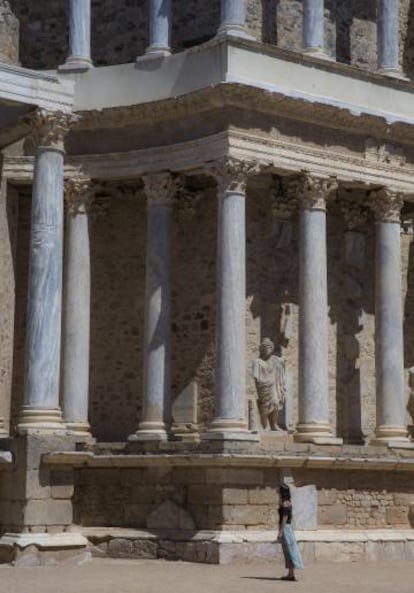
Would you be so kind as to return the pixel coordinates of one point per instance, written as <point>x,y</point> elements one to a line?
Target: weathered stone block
<point>263,496</point>
<point>397,515</point>
<point>305,505</point>
<point>339,551</point>
<point>333,515</point>
<point>234,496</point>
<point>38,484</point>
<point>48,512</point>
<point>245,514</point>
<point>135,515</point>
<point>205,495</point>
<point>62,486</point>
<point>327,497</point>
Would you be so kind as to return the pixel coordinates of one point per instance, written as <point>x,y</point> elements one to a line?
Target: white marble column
<point>230,403</point>
<point>160,189</point>
<point>41,410</point>
<point>79,58</point>
<point>233,19</point>
<point>314,27</point>
<point>160,24</point>
<point>388,30</point>
<point>389,346</point>
<point>76,309</point>
<point>314,423</point>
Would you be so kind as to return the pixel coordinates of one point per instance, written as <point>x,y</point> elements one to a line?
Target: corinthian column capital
<point>387,204</point>
<point>159,189</point>
<point>313,192</point>
<point>79,194</point>
<point>49,128</point>
<point>232,174</point>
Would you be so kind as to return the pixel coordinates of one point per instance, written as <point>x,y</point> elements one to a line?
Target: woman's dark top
<point>285,511</point>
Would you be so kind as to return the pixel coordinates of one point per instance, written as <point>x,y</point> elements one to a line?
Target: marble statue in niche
<point>269,375</point>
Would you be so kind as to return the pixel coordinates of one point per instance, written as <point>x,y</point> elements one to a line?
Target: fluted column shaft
<point>159,189</point>
<point>313,26</point>
<point>314,420</point>
<point>160,23</point>
<point>79,58</point>
<point>76,312</point>
<point>388,36</point>
<point>43,337</point>
<point>233,19</point>
<point>389,345</point>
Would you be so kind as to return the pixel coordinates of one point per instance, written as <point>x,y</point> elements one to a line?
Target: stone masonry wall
<point>120,29</point>
<point>240,499</point>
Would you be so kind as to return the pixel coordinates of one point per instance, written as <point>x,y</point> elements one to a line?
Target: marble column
<point>388,30</point>
<point>314,424</point>
<point>389,346</point>
<point>233,19</point>
<point>160,24</point>
<point>230,404</point>
<point>76,310</point>
<point>314,27</point>
<point>41,409</point>
<point>79,58</point>
<point>160,189</point>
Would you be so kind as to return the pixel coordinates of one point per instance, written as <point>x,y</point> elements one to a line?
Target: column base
<point>155,51</point>
<point>318,434</point>
<point>33,419</point>
<point>234,31</point>
<point>227,429</point>
<point>81,430</point>
<point>149,431</point>
<point>388,435</point>
<point>74,64</point>
<point>392,73</point>
<point>317,52</point>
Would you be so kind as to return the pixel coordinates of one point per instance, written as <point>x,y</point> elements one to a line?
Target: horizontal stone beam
<point>89,459</point>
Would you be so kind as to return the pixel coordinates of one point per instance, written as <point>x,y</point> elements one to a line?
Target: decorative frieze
<point>50,127</point>
<point>387,204</point>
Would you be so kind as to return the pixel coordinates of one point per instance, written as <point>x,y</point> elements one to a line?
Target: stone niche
<point>9,34</point>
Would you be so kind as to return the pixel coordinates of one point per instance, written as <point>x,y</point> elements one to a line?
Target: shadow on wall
<point>409,313</point>
<point>21,274</point>
<point>194,294</point>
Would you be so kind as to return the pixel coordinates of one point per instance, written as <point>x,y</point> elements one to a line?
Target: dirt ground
<point>158,576</point>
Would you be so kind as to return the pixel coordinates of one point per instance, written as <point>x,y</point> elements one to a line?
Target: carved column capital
<point>49,128</point>
<point>159,189</point>
<point>386,204</point>
<point>313,192</point>
<point>232,174</point>
<point>79,194</point>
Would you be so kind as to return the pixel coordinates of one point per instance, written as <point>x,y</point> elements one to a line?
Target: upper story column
<point>160,23</point>
<point>388,37</point>
<point>389,344</point>
<point>233,19</point>
<point>79,58</point>
<point>314,423</point>
<point>160,191</point>
<point>76,312</point>
<point>41,409</point>
<point>314,27</point>
<point>230,410</point>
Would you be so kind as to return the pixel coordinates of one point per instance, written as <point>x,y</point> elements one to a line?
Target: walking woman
<point>293,559</point>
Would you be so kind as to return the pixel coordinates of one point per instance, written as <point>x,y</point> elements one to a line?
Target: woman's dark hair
<point>284,491</point>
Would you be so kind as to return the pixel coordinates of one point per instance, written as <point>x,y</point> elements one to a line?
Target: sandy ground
<point>158,576</point>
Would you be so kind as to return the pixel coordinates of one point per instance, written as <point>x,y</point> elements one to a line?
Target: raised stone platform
<point>229,547</point>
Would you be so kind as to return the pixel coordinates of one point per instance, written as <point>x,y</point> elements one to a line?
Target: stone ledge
<point>89,459</point>
<point>44,540</point>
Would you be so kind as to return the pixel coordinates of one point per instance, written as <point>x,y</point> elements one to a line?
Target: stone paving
<point>157,576</point>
